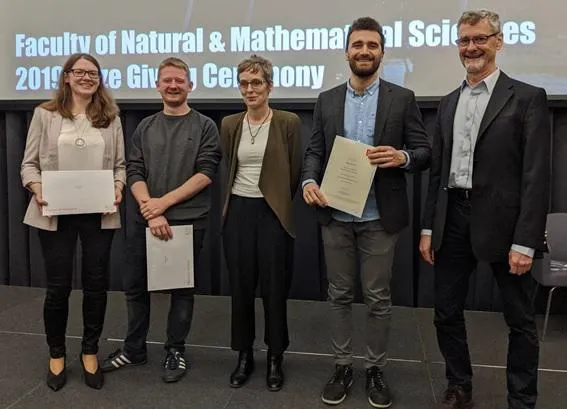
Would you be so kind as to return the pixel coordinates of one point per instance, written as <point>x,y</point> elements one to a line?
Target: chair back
<point>557,236</point>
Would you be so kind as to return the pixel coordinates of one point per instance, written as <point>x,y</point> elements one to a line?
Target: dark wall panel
<point>4,216</point>
<point>18,239</point>
<point>412,282</point>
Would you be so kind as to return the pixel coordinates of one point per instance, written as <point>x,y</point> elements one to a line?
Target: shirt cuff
<point>426,232</point>
<point>306,182</point>
<point>526,251</point>
<point>408,160</point>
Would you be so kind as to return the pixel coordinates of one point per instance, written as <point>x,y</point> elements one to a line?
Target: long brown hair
<point>102,109</point>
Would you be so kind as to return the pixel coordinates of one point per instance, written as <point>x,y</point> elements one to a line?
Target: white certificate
<point>348,176</point>
<point>77,192</point>
<point>170,263</point>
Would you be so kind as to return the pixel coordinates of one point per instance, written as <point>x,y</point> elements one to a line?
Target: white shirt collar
<point>489,82</point>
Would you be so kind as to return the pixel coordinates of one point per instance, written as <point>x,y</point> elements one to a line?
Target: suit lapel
<point>55,127</point>
<point>53,137</point>
<point>502,92</point>
<point>237,136</point>
<point>450,116</point>
<point>272,138</point>
<point>447,131</point>
<point>340,111</point>
<point>383,109</point>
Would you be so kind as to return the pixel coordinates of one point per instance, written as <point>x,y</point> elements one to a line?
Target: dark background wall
<point>21,260</point>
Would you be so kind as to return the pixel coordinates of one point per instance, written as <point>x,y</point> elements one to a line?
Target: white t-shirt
<point>81,147</point>
<point>250,159</point>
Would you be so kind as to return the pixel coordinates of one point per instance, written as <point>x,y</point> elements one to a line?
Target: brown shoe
<point>455,397</point>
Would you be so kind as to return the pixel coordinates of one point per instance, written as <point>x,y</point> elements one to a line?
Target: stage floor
<point>415,370</point>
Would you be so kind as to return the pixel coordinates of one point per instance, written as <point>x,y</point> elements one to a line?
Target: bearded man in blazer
<point>385,116</point>
<point>487,201</point>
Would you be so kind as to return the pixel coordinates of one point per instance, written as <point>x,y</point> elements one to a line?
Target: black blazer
<point>398,124</point>
<point>511,171</point>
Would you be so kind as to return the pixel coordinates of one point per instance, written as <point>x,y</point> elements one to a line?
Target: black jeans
<point>58,249</point>
<point>257,247</point>
<point>138,297</point>
<point>454,264</point>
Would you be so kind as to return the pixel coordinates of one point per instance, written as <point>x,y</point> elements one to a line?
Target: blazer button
<point>445,188</point>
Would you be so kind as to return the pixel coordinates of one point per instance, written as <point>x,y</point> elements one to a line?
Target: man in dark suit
<point>385,116</point>
<point>487,201</point>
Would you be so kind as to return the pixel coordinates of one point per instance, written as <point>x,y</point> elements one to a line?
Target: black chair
<point>551,270</point>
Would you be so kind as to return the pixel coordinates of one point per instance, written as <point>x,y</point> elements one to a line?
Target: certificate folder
<point>77,192</point>
<point>348,176</point>
<point>170,263</point>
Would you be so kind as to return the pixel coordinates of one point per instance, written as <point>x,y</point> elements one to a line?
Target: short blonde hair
<point>473,17</point>
<point>174,62</point>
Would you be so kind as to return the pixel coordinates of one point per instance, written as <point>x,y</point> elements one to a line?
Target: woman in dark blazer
<point>263,151</point>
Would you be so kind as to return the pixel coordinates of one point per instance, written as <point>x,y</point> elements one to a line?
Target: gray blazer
<point>42,154</point>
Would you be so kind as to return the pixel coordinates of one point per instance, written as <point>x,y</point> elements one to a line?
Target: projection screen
<point>304,39</point>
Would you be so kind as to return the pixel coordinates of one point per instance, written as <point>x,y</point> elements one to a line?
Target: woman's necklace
<point>254,135</point>
<point>80,140</point>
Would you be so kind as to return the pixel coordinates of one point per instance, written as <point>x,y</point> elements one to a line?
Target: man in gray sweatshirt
<point>173,157</point>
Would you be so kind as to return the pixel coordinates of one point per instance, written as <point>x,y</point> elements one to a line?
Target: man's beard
<point>477,62</point>
<point>364,72</point>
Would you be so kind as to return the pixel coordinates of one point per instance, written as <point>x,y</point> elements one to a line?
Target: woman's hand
<point>37,193</point>
<point>117,195</point>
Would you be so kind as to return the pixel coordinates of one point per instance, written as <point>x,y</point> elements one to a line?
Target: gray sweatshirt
<point>167,150</point>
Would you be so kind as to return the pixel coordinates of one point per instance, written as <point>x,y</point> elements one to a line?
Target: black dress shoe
<point>243,370</point>
<point>274,373</point>
<point>92,380</point>
<point>455,397</point>
<point>56,382</point>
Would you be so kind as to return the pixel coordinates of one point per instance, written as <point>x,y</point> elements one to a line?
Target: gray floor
<point>415,371</point>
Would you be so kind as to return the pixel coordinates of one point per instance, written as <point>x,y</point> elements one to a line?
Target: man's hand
<point>153,208</point>
<point>425,249</point>
<point>313,196</point>
<point>519,263</point>
<point>159,227</point>
<point>386,157</point>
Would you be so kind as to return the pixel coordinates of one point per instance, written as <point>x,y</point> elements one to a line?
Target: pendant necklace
<point>80,141</point>
<point>252,135</point>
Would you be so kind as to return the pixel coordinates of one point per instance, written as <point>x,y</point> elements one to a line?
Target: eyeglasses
<point>477,40</point>
<point>256,84</point>
<point>93,75</point>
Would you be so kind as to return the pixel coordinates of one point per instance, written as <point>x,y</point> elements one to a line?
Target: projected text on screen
<point>420,53</point>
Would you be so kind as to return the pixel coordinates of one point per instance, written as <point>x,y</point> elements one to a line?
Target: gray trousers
<point>348,246</point>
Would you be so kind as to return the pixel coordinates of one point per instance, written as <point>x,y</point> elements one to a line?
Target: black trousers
<point>257,248</point>
<point>138,298</point>
<point>58,249</point>
<point>454,264</point>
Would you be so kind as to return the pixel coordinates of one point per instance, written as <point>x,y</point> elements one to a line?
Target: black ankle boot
<point>56,382</point>
<point>92,380</point>
<point>243,370</point>
<point>274,373</point>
